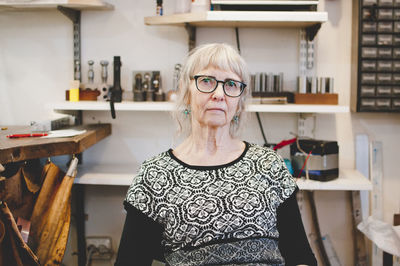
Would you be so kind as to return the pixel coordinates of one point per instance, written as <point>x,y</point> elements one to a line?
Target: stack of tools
<point>314,90</point>
<point>267,88</point>
<point>147,86</point>
<point>35,212</point>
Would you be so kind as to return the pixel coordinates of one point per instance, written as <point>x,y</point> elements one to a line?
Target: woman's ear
<point>188,97</point>
<point>239,106</point>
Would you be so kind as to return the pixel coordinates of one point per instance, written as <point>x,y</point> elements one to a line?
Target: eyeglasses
<point>208,84</point>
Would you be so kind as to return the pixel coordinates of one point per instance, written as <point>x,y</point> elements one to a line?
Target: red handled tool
<point>15,136</point>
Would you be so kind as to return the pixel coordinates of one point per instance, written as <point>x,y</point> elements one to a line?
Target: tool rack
<point>377,27</point>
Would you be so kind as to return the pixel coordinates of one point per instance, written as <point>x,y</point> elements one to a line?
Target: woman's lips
<point>216,109</point>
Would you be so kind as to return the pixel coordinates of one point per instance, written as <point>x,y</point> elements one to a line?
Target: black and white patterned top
<point>204,208</point>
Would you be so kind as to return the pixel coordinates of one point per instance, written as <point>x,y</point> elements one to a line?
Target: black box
<point>323,163</point>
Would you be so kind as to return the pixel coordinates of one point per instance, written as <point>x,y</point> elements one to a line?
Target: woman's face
<point>214,109</point>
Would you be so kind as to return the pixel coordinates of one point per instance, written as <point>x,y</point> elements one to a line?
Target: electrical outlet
<point>306,126</point>
<point>99,247</point>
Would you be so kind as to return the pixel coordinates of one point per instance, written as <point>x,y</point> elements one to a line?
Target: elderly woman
<point>214,199</point>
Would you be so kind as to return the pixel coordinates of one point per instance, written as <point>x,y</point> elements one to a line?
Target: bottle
<point>158,93</point>
<point>138,95</point>
<point>159,10</point>
<point>74,91</point>
<point>147,87</point>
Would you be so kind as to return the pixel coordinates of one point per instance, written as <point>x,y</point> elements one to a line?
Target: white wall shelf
<point>168,106</point>
<point>122,175</point>
<point>349,179</point>
<point>296,19</point>
<point>111,174</point>
<point>53,4</point>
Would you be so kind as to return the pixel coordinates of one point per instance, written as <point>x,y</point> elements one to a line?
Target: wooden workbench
<point>14,150</point>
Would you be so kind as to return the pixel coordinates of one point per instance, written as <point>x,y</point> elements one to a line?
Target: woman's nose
<point>219,91</point>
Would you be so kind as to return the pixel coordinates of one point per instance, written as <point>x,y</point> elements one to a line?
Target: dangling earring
<point>186,112</point>
<point>236,119</point>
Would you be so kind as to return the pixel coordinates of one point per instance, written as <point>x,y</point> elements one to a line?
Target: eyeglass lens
<point>209,84</point>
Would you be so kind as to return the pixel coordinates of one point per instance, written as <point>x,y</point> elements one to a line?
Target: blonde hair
<point>218,55</point>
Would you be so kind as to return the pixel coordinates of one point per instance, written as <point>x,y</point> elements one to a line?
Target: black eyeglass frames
<point>208,84</point>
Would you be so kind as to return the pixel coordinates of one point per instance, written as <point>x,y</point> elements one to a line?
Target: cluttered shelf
<point>26,148</point>
<point>52,4</point>
<point>296,19</point>
<point>122,175</point>
<point>168,106</point>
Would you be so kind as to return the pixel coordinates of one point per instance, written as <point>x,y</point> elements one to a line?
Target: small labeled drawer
<point>383,103</point>
<point>396,2</point>
<point>368,39</point>
<point>397,26</point>
<point>385,13</point>
<point>396,66</point>
<point>369,52</point>
<point>368,65</point>
<point>385,26</point>
<point>396,53</point>
<point>367,14</point>
<point>367,90</point>
<point>384,65</point>
<point>396,90</point>
<point>367,103</point>
<point>385,39</point>
<point>369,27</point>
<point>396,13</point>
<point>396,104</point>
<point>383,90</point>
<point>396,78</point>
<point>385,52</point>
<point>368,78</point>
<point>396,39</point>
<point>385,2</point>
<point>369,2</point>
<point>384,78</point>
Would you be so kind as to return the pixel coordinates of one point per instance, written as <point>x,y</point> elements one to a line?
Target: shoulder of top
<point>257,147</point>
<point>258,151</point>
<point>155,159</point>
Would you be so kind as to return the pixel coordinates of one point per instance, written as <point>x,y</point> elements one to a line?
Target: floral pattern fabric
<point>200,206</point>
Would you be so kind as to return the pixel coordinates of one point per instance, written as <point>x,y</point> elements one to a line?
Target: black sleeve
<point>293,242</point>
<point>140,240</point>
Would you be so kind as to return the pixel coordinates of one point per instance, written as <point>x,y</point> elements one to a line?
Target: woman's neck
<point>209,140</point>
<point>209,146</point>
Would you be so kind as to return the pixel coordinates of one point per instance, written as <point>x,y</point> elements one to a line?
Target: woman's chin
<point>216,123</point>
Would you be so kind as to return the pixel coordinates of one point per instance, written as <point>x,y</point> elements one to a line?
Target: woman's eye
<point>206,80</point>
<point>231,83</point>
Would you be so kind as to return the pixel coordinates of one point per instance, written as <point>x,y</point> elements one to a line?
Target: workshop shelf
<point>168,106</point>
<point>20,149</point>
<point>122,175</point>
<point>53,4</point>
<point>296,19</point>
<point>349,179</point>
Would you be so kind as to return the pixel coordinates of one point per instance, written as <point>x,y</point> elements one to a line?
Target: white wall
<point>36,67</point>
